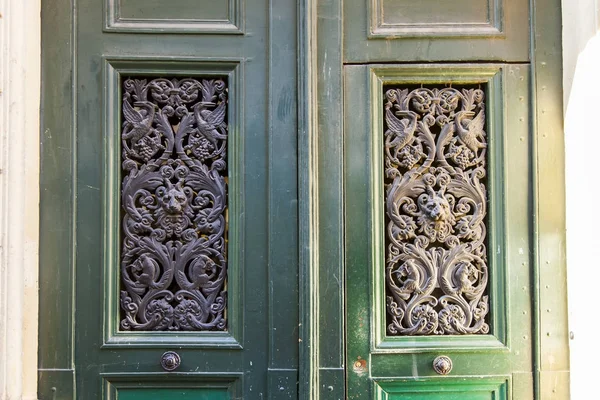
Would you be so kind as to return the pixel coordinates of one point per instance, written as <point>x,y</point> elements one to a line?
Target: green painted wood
<point>550,289</point>
<point>321,201</point>
<point>424,31</point>
<point>508,347</point>
<point>173,394</point>
<point>177,16</point>
<point>528,343</point>
<point>320,141</point>
<point>474,388</point>
<point>114,68</point>
<point>81,183</point>
<point>57,158</point>
<point>162,385</point>
<point>309,250</point>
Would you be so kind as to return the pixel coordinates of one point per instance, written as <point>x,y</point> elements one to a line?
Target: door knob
<point>170,361</point>
<point>442,365</point>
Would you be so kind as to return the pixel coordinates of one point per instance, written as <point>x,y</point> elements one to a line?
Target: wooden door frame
<point>322,271</point>
<point>321,203</point>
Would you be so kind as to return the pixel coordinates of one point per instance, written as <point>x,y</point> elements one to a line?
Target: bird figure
<point>137,123</point>
<point>403,129</point>
<point>474,129</point>
<point>208,121</point>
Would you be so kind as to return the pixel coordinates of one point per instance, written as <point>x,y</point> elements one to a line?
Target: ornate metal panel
<point>174,204</point>
<point>436,200</point>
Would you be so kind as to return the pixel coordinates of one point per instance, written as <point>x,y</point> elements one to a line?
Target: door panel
<point>433,290</point>
<point>169,394</point>
<point>466,30</point>
<point>175,16</point>
<point>175,234</point>
<point>168,387</point>
<point>441,389</point>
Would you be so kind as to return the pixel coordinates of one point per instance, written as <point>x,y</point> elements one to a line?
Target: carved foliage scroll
<point>174,204</point>
<point>435,185</point>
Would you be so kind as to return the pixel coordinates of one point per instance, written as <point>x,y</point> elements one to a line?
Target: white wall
<point>581,80</point>
<point>19,188</point>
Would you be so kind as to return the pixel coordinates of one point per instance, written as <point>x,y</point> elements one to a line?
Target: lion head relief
<point>436,218</point>
<point>174,212</point>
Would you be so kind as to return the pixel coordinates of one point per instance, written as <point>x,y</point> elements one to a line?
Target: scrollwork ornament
<point>174,204</point>
<point>435,170</point>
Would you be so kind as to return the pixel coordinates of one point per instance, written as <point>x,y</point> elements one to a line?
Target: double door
<point>200,240</point>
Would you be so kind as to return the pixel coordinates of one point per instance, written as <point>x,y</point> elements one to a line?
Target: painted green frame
<point>437,74</point>
<point>56,370</point>
<point>321,206</point>
<point>550,319</point>
<point>114,68</point>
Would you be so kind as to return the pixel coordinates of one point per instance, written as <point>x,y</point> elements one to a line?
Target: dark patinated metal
<point>170,361</point>
<point>442,365</point>
<point>435,169</point>
<point>174,204</point>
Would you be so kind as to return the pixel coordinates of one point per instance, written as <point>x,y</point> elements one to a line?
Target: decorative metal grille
<point>174,204</point>
<point>435,184</point>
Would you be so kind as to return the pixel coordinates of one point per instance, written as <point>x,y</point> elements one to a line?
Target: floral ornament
<point>174,200</point>
<point>435,169</point>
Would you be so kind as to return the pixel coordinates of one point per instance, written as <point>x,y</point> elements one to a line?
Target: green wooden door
<point>438,200</point>
<point>169,159</point>
<point>170,213</point>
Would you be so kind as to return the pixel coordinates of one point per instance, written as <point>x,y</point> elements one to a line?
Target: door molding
<point>321,208</point>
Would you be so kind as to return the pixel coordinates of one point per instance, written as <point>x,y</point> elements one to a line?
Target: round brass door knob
<point>170,361</point>
<point>442,365</point>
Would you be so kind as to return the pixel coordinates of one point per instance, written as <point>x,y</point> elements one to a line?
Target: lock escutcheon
<point>170,361</point>
<point>442,365</point>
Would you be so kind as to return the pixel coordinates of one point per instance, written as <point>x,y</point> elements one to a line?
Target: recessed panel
<point>173,394</point>
<point>172,203</point>
<point>193,386</point>
<point>435,31</point>
<point>174,16</point>
<point>174,9</point>
<point>447,389</point>
<point>432,17</point>
<point>438,177</point>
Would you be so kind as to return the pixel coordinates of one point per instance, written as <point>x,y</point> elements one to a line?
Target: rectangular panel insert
<point>435,18</point>
<point>463,388</point>
<point>174,220</point>
<point>435,178</point>
<point>174,394</point>
<point>157,16</point>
